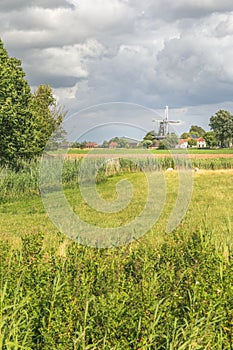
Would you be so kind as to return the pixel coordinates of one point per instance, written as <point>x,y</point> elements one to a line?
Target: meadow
<point>162,291</point>
<point>152,151</point>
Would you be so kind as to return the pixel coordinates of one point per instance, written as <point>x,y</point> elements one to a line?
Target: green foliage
<point>151,136</point>
<point>134,297</point>
<point>80,145</point>
<point>161,145</point>
<point>194,132</point>
<point>192,142</point>
<point>147,143</point>
<point>210,139</point>
<point>105,144</point>
<point>26,120</point>
<point>48,118</point>
<point>75,145</point>
<point>120,141</point>
<point>169,142</point>
<point>16,118</point>
<point>185,135</point>
<point>197,130</point>
<point>222,125</point>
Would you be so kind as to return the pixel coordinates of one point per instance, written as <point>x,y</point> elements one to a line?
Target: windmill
<point>163,129</point>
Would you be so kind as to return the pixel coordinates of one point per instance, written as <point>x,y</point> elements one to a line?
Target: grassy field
<point>153,151</point>
<point>163,291</point>
<point>211,188</point>
<point>209,151</point>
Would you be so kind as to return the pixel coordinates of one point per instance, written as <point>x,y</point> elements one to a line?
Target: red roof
<point>91,145</point>
<point>113,145</point>
<point>181,141</point>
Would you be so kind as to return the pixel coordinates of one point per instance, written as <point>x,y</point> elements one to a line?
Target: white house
<point>182,143</point>
<point>201,142</point>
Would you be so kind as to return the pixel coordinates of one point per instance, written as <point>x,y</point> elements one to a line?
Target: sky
<point>115,64</point>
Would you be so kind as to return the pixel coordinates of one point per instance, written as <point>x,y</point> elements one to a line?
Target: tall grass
<point>26,180</point>
<point>174,296</point>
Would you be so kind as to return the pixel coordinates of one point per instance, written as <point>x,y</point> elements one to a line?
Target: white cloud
<point>151,52</point>
<point>64,62</point>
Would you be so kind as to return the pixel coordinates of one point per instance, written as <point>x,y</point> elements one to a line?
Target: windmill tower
<point>163,129</point>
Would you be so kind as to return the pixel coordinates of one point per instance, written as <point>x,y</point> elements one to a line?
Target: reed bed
<point>26,180</point>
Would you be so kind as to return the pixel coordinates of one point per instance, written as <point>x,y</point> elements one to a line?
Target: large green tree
<point>26,120</point>
<point>197,130</point>
<point>171,141</point>
<point>16,118</point>
<point>210,139</point>
<point>222,125</point>
<point>48,118</point>
<point>185,135</point>
<point>151,136</point>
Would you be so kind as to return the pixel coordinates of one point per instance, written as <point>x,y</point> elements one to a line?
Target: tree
<point>26,120</point>
<point>16,119</point>
<point>185,135</point>
<point>121,142</point>
<point>192,142</point>
<point>115,140</point>
<point>75,144</point>
<point>105,144</point>
<point>161,145</point>
<point>48,117</point>
<point>57,139</point>
<point>222,125</point>
<point>171,141</point>
<point>210,139</point>
<point>147,143</point>
<point>197,130</point>
<point>83,144</point>
<point>151,135</point>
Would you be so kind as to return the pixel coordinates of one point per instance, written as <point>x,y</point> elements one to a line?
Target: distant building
<point>201,142</point>
<point>133,143</point>
<point>113,145</point>
<point>91,145</point>
<point>182,143</point>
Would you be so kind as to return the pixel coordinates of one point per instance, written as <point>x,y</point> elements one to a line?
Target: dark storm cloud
<point>14,5</point>
<point>181,9</point>
<point>49,79</point>
<point>194,9</point>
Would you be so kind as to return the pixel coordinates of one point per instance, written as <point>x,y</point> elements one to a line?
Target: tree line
<point>220,134</point>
